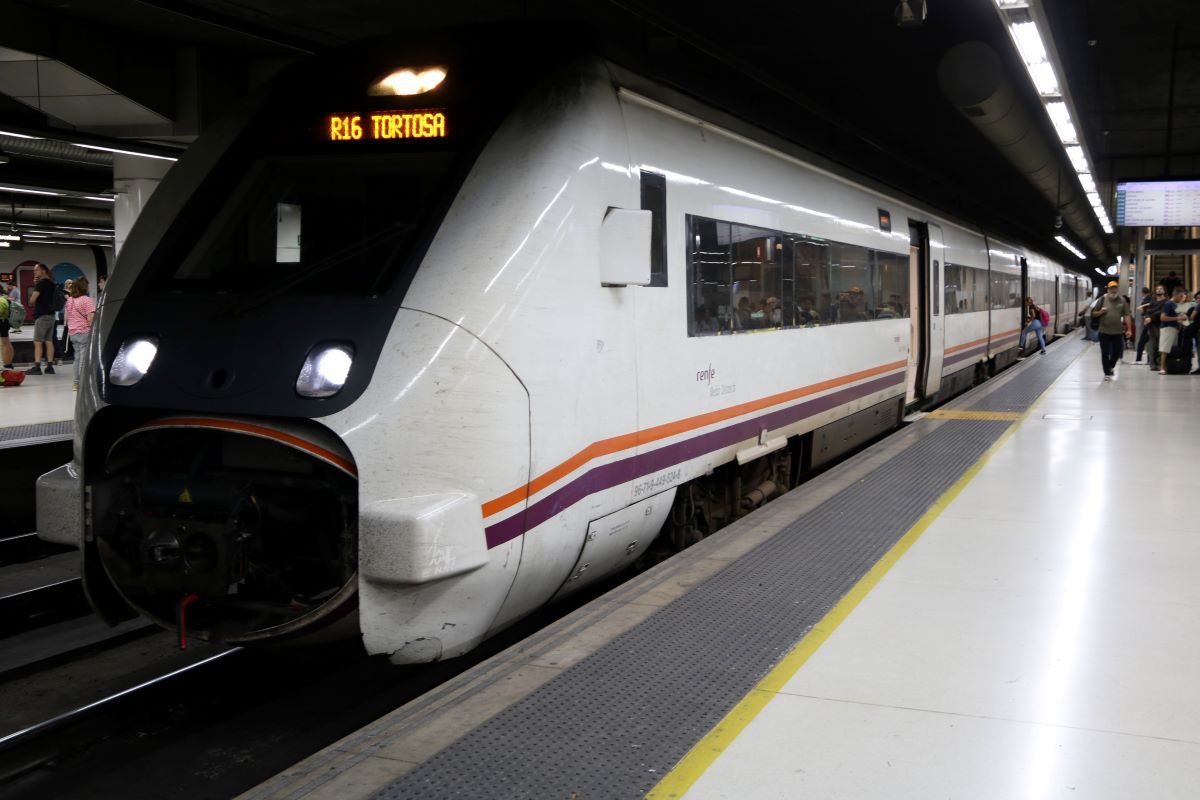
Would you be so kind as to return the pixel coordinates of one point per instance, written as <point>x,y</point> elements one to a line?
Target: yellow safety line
<point>707,750</point>
<point>1002,416</point>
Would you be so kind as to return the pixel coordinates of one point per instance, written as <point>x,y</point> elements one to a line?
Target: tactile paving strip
<point>20,435</point>
<point>613,725</point>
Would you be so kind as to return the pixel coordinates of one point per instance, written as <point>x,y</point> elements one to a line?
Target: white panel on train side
<point>1005,266</point>
<point>966,340</point>
<point>686,381</point>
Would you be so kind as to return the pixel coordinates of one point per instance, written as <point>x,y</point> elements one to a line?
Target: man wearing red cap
<point>1112,311</point>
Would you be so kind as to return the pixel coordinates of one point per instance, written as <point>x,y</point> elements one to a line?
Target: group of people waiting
<point>1170,325</point>
<point>47,300</point>
<point>1170,322</point>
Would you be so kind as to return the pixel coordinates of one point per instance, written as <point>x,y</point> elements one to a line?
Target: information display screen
<point>1158,203</point>
<point>377,126</point>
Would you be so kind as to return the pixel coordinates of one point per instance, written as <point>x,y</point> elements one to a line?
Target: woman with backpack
<point>1035,322</point>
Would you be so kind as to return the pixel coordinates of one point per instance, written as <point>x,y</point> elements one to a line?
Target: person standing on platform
<point>1170,283</point>
<point>16,309</point>
<point>42,299</point>
<point>1111,311</point>
<point>1172,327</point>
<point>1151,311</point>
<point>6,348</point>
<point>79,313</point>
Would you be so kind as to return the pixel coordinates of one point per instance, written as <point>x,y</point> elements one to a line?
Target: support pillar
<point>135,179</point>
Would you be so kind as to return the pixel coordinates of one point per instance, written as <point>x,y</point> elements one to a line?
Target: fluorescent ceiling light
<point>1088,183</point>
<point>1012,3</point>
<point>1061,117</point>
<point>61,228</point>
<point>30,191</point>
<point>123,152</point>
<point>1044,79</point>
<point>1078,159</point>
<point>1066,133</point>
<point>1029,42</point>
<point>18,135</point>
<point>1061,240</point>
<point>95,197</point>
<point>1058,112</point>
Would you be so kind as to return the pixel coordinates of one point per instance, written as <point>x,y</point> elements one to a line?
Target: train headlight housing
<point>133,360</point>
<point>325,370</point>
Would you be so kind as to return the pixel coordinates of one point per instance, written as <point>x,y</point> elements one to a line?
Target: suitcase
<point>1179,363</point>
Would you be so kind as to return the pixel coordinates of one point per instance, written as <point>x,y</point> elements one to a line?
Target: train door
<point>1058,288</point>
<point>937,320</point>
<point>1025,288</point>
<point>927,329</point>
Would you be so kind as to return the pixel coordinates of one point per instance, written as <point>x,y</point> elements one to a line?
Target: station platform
<point>41,409</point>
<point>998,601</point>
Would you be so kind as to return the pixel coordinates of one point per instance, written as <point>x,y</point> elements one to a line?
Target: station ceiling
<point>837,76</point>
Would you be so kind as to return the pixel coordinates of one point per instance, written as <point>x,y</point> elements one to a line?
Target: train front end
<point>258,298</point>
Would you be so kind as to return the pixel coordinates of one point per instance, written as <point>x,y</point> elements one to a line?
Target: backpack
<point>4,307</point>
<point>12,377</point>
<point>1044,317</point>
<point>60,297</point>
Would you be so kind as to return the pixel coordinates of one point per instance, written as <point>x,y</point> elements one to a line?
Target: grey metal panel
<point>614,724</point>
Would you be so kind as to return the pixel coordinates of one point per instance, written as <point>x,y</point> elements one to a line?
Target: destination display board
<point>386,125</point>
<point>1158,203</point>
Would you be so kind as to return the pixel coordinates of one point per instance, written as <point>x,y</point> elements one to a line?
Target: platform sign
<point>1158,203</point>
<point>11,241</point>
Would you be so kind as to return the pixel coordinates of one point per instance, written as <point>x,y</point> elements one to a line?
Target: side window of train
<point>954,292</point>
<point>743,278</point>
<point>937,291</point>
<point>654,200</point>
<point>965,289</point>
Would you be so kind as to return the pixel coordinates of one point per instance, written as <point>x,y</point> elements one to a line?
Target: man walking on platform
<point>1111,311</point>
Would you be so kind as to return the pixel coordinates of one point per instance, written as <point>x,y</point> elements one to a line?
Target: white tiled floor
<point>1041,639</point>
<point>41,398</point>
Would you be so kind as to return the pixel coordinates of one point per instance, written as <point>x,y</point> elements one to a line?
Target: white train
<point>412,366</point>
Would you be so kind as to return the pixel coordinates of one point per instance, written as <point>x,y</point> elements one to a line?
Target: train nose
<point>255,523</point>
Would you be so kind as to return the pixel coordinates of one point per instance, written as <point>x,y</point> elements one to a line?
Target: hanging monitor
<point>1158,203</point>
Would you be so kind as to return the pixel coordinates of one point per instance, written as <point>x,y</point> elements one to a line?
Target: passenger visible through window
<point>745,278</point>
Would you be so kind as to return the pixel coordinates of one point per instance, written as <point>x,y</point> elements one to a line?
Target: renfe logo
<point>706,375</point>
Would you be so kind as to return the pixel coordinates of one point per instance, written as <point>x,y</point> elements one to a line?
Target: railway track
<point>26,547</point>
<point>40,592</point>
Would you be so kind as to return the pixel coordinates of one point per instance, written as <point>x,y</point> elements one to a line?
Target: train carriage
<point>410,366</point>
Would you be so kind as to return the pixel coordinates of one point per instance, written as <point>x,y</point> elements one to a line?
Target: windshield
<point>330,225</point>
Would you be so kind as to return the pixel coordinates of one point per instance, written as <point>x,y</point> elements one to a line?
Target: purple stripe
<point>974,351</point>
<point>627,469</point>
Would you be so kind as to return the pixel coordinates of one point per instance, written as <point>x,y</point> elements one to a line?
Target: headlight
<point>133,360</point>
<point>325,370</point>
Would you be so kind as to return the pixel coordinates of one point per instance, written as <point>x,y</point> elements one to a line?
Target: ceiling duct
<point>52,150</point>
<point>57,215</point>
<point>972,79</point>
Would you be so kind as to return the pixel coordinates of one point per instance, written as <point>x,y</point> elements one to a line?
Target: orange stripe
<point>245,427</point>
<point>628,440</point>
<point>958,347</point>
